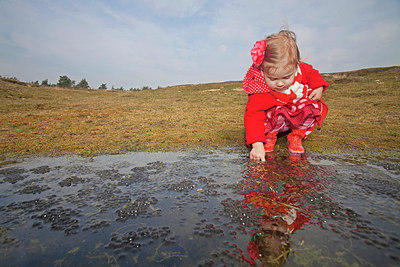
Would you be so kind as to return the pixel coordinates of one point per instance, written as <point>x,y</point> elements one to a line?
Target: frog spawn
<point>131,241</point>
<point>139,207</point>
<point>60,219</point>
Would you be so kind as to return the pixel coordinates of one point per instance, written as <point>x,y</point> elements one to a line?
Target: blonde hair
<point>281,52</point>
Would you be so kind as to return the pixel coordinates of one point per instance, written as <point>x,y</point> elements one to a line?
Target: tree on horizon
<point>64,81</point>
<point>45,83</point>
<point>83,84</point>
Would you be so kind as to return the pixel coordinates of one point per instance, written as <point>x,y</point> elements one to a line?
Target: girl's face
<point>279,80</point>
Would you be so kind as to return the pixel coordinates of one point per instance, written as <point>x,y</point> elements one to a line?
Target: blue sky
<point>159,43</point>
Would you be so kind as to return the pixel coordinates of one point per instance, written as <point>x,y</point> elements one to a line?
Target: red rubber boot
<point>294,141</point>
<point>270,142</point>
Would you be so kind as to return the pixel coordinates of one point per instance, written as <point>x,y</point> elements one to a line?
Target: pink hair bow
<point>258,51</point>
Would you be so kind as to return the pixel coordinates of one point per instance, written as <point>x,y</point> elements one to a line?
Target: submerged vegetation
<point>363,115</point>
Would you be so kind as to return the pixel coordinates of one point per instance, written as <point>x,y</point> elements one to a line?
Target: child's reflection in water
<point>278,186</point>
<point>271,245</point>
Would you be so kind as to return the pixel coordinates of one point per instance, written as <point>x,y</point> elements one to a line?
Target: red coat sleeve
<point>312,77</point>
<point>254,117</point>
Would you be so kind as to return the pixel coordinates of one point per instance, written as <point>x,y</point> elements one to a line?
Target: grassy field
<point>363,116</point>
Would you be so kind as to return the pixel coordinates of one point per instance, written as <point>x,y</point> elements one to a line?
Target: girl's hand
<point>257,152</point>
<point>316,94</point>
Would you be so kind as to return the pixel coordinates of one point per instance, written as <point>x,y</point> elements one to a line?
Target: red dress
<point>269,111</point>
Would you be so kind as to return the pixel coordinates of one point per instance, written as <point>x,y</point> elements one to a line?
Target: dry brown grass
<point>363,115</point>
<point>363,111</point>
<point>54,121</point>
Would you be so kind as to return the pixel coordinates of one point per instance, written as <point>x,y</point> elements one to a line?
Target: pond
<point>199,208</point>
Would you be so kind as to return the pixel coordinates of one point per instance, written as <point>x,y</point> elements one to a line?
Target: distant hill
<point>361,72</point>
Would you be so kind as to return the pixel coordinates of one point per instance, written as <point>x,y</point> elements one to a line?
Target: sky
<point>136,43</point>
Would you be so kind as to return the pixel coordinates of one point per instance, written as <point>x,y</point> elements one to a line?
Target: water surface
<point>211,208</point>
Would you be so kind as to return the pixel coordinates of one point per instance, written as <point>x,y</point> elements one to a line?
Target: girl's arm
<point>313,78</point>
<point>254,119</point>
<point>258,102</point>
<point>254,116</point>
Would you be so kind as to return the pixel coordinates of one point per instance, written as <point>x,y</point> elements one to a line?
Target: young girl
<point>284,95</point>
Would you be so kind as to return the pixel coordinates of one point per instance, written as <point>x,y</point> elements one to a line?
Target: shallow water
<point>199,208</point>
